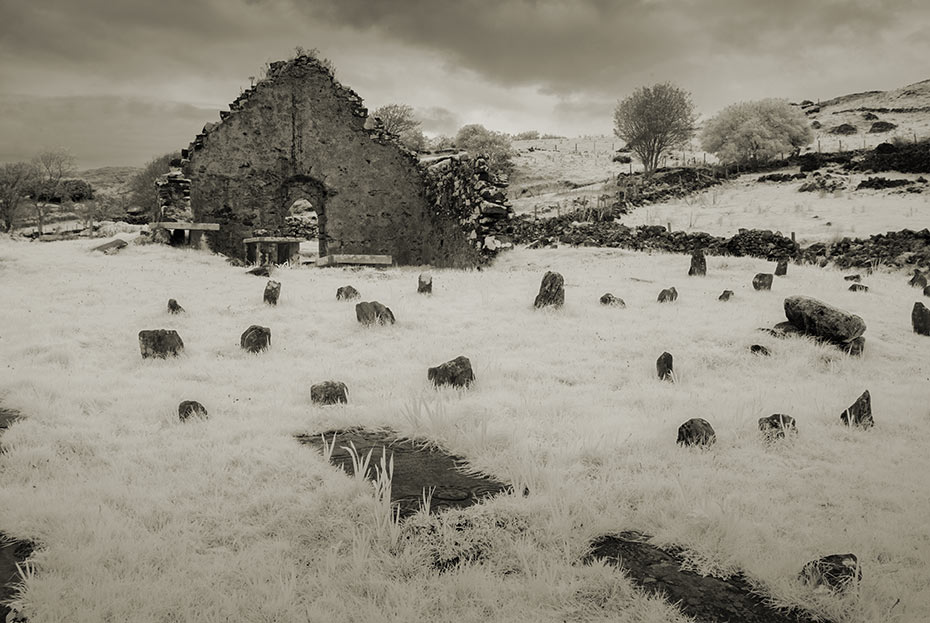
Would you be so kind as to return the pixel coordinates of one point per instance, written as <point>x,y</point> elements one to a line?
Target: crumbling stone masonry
<point>299,134</point>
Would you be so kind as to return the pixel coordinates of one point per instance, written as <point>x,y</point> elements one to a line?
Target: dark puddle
<point>416,468</point>
<point>11,551</point>
<point>707,599</point>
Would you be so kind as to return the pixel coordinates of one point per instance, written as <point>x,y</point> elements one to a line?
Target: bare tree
<point>654,120</point>
<point>52,166</point>
<point>397,118</point>
<point>16,180</point>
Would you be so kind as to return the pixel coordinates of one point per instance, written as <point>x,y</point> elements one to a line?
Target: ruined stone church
<point>300,135</point>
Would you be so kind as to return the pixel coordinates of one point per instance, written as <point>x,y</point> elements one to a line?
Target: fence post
<point>670,226</point>
<point>792,237</point>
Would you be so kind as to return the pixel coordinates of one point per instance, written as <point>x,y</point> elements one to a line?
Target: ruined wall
<point>300,134</point>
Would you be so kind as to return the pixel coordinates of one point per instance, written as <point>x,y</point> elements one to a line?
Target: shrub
<point>756,131</point>
<point>478,140</point>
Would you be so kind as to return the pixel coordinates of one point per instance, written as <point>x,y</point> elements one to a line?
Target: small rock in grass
<point>860,412</point>
<point>763,281</point>
<point>255,339</point>
<point>160,343</point>
<point>698,264</point>
<point>369,313</point>
<point>329,393</point>
<point>347,293</point>
<point>610,299</point>
<point>190,408</point>
<point>856,278</point>
<point>174,308</point>
<point>696,432</point>
<point>551,291</point>
<point>664,367</point>
<point>759,349</point>
<point>668,295</point>
<point>927,291</point>
<point>112,247</point>
<point>858,287</point>
<point>457,373</point>
<point>425,283</point>
<point>725,296</point>
<point>781,268</point>
<point>272,292</point>
<point>918,280</point>
<point>837,572</point>
<point>260,271</point>
<point>775,426</point>
<point>920,319</point>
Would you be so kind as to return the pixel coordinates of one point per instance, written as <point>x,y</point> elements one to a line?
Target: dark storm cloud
<point>591,44</point>
<point>98,130</point>
<point>438,120</point>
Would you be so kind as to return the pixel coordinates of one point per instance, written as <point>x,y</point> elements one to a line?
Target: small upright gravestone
<point>457,373</point>
<point>174,308</point>
<point>920,319</point>
<point>347,293</point>
<point>781,268</point>
<point>836,572</point>
<point>610,299</point>
<point>668,295</point>
<point>860,412</point>
<point>272,292</point>
<point>775,426</point>
<point>918,280</point>
<point>763,281</point>
<point>256,338</point>
<point>329,393</point>
<point>696,432</point>
<point>369,313</point>
<point>725,296</point>
<point>425,283</point>
<point>190,408</point>
<point>698,264</point>
<point>551,291</point>
<point>664,367</point>
<point>161,343</point>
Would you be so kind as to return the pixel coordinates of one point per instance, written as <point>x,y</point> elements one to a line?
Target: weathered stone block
<point>698,264</point>
<point>191,408</point>
<point>551,291</point>
<point>920,319</point>
<point>860,412</point>
<point>272,292</point>
<point>255,339</point>
<point>161,343</point>
<point>329,393</point>
<point>725,296</point>
<point>664,367</point>
<point>610,299</point>
<point>346,293</point>
<point>369,313</point>
<point>781,268</point>
<point>457,373</point>
<point>696,432</point>
<point>763,281</point>
<point>668,295</point>
<point>822,320</point>
<point>425,283</point>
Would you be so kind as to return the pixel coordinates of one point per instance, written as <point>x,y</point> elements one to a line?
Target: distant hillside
<point>907,109</point>
<point>109,179</point>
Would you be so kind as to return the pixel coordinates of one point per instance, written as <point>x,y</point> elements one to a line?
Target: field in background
<point>142,518</point>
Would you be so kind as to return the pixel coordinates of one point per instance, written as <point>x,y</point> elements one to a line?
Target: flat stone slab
<point>11,552</point>
<point>416,468</point>
<point>355,260</point>
<point>188,226</point>
<point>707,599</point>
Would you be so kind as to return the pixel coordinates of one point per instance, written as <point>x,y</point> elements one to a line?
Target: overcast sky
<point>119,82</point>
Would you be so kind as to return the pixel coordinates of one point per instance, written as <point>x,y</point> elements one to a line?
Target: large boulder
<point>457,373</point>
<point>161,343</point>
<point>551,291</point>
<point>821,320</point>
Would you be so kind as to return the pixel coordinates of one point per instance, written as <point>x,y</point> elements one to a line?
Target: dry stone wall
<point>299,134</point>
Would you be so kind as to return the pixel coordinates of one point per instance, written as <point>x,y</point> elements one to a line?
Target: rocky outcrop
<point>821,320</point>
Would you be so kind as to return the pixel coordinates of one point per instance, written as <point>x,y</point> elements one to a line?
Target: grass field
<point>141,518</point>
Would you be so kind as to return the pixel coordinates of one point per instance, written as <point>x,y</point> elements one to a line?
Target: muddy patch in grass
<point>418,467</point>
<point>707,599</point>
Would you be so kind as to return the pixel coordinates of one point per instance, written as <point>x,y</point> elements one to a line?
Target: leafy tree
<point>396,118</point>
<point>16,180</point>
<point>756,131</point>
<point>654,120</point>
<point>478,140</point>
<point>52,166</point>
<point>142,185</point>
